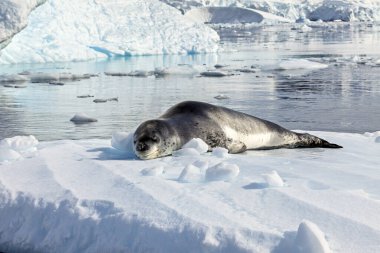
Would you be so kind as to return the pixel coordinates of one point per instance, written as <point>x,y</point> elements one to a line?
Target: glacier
<point>56,32</point>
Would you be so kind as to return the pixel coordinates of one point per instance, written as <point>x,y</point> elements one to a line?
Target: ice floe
<point>75,191</point>
<point>81,118</point>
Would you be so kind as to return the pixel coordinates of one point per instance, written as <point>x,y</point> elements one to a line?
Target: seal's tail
<point>311,141</point>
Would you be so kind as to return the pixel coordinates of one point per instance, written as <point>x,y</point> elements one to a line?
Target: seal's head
<point>154,138</point>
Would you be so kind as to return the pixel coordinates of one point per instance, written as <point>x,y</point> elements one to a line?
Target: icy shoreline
<point>81,196</point>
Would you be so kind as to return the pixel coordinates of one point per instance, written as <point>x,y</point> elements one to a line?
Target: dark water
<point>344,97</point>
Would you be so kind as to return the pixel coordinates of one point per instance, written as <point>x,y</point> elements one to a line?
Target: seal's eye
<point>134,142</point>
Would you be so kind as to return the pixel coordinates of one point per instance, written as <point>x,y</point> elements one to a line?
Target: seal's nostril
<point>142,147</point>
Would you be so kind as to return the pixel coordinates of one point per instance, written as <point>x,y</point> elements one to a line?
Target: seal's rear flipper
<point>311,141</point>
<point>235,147</point>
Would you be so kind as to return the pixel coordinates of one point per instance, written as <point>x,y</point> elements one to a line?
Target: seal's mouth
<point>149,154</point>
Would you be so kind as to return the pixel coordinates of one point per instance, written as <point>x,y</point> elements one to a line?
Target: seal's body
<point>218,127</point>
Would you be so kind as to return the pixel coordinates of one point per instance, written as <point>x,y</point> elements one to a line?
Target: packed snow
<point>57,32</point>
<point>87,196</point>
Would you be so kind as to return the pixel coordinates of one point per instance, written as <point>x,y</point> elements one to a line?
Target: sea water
<point>344,97</point>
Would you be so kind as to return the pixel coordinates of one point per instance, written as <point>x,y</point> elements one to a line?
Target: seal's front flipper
<point>235,147</point>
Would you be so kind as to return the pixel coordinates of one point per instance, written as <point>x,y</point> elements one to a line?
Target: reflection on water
<point>343,97</point>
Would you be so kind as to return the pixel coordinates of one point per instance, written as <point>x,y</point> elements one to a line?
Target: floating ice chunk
<point>213,74</point>
<point>8,155</point>
<point>306,28</point>
<point>186,152</point>
<point>222,172</point>
<point>220,152</point>
<point>153,171</point>
<point>300,64</point>
<point>105,100</point>
<point>20,144</point>
<point>13,79</point>
<point>197,144</point>
<point>310,239</point>
<point>190,174</point>
<point>182,70</point>
<point>123,141</point>
<point>378,62</point>
<point>116,74</point>
<point>273,179</point>
<point>219,66</point>
<point>221,96</point>
<point>81,118</point>
<point>140,73</point>
<point>85,96</point>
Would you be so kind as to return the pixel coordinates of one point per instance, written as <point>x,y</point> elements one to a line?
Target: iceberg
<point>57,32</point>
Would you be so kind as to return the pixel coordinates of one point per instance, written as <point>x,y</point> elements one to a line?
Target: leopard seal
<point>218,127</point>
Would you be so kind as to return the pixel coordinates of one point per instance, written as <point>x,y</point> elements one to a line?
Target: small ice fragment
<point>100,100</point>
<point>197,144</point>
<point>190,174</point>
<point>116,74</point>
<point>122,141</point>
<point>85,96</point>
<point>219,66</point>
<point>220,152</point>
<point>7,154</point>
<point>13,79</point>
<point>310,239</point>
<point>140,73</point>
<point>186,152</point>
<point>222,172</point>
<point>154,171</point>
<point>378,62</point>
<point>300,64</point>
<point>273,179</point>
<point>221,96</point>
<point>80,118</point>
<point>213,74</point>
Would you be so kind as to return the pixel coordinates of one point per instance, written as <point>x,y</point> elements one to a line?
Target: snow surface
<point>85,196</point>
<point>58,32</point>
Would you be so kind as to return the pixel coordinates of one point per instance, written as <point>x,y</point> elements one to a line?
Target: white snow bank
<point>222,172</point>
<point>85,196</point>
<point>300,64</point>
<point>231,15</point>
<point>98,29</point>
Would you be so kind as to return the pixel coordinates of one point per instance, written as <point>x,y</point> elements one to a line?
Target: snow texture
<point>85,196</point>
<point>197,144</point>
<point>57,32</point>
<point>222,172</point>
<point>17,147</point>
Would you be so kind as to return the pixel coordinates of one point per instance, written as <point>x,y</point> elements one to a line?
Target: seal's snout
<point>141,147</point>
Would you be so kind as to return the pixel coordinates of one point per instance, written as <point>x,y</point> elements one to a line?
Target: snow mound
<point>220,152</point>
<point>222,172</point>
<point>300,64</point>
<point>231,15</point>
<point>123,141</point>
<point>197,144</point>
<point>80,118</point>
<point>190,174</point>
<point>273,179</point>
<point>8,155</point>
<point>100,29</point>
<point>186,152</point>
<point>310,239</point>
